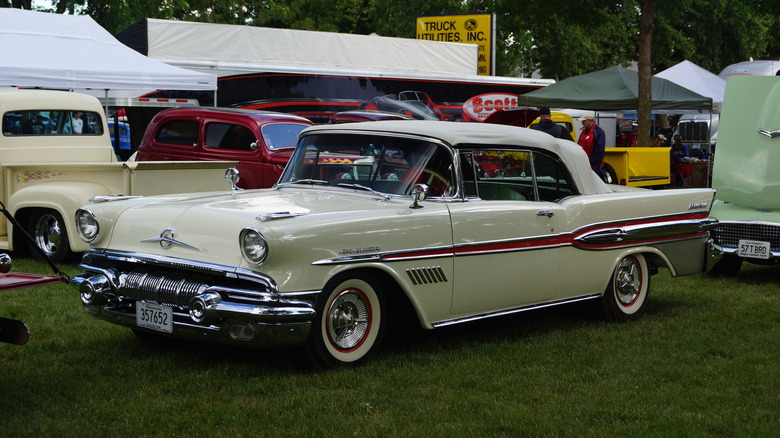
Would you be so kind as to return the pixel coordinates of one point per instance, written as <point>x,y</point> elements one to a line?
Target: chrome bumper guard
<point>209,302</point>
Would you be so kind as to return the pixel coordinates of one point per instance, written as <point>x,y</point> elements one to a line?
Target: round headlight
<point>87,225</point>
<point>254,248</point>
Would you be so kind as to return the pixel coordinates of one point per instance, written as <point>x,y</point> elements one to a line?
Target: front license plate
<point>154,317</point>
<point>753,249</point>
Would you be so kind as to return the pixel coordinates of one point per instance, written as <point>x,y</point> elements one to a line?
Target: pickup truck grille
<point>694,132</point>
<point>163,287</point>
<point>728,234</point>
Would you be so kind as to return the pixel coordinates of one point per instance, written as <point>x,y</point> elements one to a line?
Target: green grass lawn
<point>704,360</point>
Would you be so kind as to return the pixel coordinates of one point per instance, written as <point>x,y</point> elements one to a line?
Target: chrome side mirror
<point>419,192</point>
<point>253,145</point>
<point>232,177</point>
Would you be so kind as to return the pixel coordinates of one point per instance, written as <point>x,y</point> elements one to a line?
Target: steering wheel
<point>438,185</point>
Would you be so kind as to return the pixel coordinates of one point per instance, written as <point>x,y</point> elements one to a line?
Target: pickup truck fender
<point>63,197</point>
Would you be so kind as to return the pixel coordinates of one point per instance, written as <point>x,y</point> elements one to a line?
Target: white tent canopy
<point>238,48</point>
<point>74,52</point>
<point>689,75</point>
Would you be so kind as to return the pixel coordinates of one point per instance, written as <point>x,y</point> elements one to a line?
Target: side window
<point>498,175</point>
<point>229,136</point>
<point>179,132</point>
<point>552,180</point>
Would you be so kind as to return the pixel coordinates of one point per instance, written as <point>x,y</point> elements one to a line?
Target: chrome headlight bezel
<point>253,246</point>
<point>87,225</point>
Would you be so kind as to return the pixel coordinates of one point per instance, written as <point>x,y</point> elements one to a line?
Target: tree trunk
<point>645,101</point>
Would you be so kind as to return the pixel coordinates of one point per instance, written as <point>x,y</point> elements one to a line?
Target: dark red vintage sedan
<point>260,141</point>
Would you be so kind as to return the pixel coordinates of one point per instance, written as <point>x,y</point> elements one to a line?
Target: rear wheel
<point>350,322</point>
<point>49,234</point>
<point>625,296</point>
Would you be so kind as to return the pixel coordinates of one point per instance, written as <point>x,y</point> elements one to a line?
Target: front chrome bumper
<point>729,233</point>
<point>214,303</point>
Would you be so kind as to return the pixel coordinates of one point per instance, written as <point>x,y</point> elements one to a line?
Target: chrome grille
<point>729,234</point>
<point>695,132</point>
<point>165,288</point>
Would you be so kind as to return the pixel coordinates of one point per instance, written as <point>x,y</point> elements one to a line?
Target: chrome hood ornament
<point>167,240</point>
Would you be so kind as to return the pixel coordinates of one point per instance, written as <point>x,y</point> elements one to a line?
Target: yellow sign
<point>470,29</point>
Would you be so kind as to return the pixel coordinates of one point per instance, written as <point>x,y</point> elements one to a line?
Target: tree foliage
<point>556,40</point>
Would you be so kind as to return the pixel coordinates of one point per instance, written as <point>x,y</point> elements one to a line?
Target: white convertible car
<point>370,222</point>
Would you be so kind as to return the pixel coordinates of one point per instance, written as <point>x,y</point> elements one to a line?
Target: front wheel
<point>625,296</point>
<point>48,231</point>
<point>350,322</point>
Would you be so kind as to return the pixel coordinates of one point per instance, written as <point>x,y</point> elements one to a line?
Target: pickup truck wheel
<point>625,296</point>
<point>609,176</point>
<point>350,322</point>
<point>48,231</point>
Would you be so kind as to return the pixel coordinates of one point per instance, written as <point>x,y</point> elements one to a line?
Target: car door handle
<point>547,213</point>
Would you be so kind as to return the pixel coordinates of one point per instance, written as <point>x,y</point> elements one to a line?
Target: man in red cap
<point>592,140</point>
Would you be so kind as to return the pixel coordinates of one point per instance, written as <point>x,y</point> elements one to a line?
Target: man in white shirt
<point>78,123</point>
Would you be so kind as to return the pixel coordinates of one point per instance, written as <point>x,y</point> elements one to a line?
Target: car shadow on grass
<point>494,330</point>
<point>398,341</point>
<point>200,355</point>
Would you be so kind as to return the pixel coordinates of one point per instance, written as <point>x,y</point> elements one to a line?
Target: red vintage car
<point>260,141</point>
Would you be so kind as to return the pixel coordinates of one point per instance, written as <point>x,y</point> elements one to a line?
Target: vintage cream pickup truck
<point>56,155</point>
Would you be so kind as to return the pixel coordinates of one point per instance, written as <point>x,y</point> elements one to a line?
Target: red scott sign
<point>479,107</point>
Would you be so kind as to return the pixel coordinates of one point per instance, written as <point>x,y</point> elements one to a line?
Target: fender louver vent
<point>427,275</point>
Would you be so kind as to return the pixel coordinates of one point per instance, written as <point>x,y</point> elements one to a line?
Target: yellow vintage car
<point>441,223</point>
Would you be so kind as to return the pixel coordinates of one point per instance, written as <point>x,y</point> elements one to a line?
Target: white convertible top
<point>482,134</point>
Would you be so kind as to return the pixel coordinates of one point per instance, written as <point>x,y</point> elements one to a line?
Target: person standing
<point>679,149</point>
<point>592,140</point>
<point>546,124</point>
<point>78,123</point>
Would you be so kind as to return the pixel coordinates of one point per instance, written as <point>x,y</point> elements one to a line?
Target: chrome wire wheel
<point>348,319</point>
<point>350,322</point>
<point>627,291</point>
<point>628,281</point>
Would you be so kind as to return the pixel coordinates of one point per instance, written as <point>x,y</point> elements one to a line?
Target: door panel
<point>507,254</point>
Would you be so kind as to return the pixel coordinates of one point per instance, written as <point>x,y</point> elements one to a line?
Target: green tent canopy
<point>613,89</point>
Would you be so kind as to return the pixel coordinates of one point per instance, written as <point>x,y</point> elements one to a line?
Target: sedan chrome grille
<point>728,234</point>
<point>166,288</point>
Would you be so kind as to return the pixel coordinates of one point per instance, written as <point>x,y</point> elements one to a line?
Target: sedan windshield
<point>391,165</point>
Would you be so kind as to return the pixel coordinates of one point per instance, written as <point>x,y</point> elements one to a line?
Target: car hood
<point>207,227</point>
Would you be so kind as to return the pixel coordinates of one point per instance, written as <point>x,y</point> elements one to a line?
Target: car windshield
<point>386,164</point>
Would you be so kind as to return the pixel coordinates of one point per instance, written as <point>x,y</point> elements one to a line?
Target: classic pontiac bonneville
<point>440,222</point>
